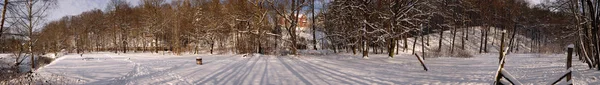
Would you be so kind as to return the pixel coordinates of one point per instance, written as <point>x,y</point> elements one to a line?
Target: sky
<point>535,1</point>
<point>75,7</point>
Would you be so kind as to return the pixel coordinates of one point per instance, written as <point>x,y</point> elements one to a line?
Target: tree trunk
<point>422,46</point>
<point>144,45</point>
<point>415,38</point>
<point>481,40</point>
<point>405,39</point>
<point>397,46</point>
<point>334,49</point>
<point>595,33</point>
<point>462,44</point>
<point>30,42</point>
<point>531,42</point>
<point>314,41</point>
<point>390,50</point>
<point>212,47</point>
<point>115,46</point>
<point>3,17</point>
<point>124,39</point>
<point>354,49</point>
<point>512,39</point>
<point>428,31</point>
<point>155,44</point>
<point>486,40</point>
<point>365,49</point>
<point>493,36</point>
<point>453,40</point>
<point>375,50</point>
<point>467,34</point>
<point>440,40</point>
<point>517,46</point>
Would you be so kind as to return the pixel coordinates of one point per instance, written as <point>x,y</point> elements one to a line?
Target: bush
<point>11,74</point>
<point>462,54</point>
<point>433,53</point>
<point>457,53</point>
<point>43,61</point>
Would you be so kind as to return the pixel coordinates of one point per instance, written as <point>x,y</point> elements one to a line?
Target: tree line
<point>253,26</point>
<point>385,25</point>
<point>155,25</point>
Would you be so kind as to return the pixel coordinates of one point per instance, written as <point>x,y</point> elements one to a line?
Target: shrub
<point>43,61</point>
<point>462,54</point>
<point>457,53</point>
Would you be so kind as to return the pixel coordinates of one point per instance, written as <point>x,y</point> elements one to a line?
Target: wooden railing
<point>509,79</point>
<point>501,73</point>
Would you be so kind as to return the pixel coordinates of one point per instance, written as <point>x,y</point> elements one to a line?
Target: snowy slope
<point>471,45</point>
<point>147,68</point>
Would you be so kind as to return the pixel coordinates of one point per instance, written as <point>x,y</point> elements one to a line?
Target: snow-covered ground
<point>4,60</point>
<point>148,68</point>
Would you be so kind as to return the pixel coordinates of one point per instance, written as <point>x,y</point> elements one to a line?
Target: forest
<point>284,27</point>
<point>272,26</point>
<point>298,27</point>
<point>247,26</point>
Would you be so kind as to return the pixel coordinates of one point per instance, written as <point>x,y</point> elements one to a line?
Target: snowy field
<point>148,68</point>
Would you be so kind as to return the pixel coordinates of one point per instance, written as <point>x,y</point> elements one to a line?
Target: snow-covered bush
<point>41,61</point>
<point>462,54</point>
<point>446,53</point>
<point>35,78</point>
<point>433,53</point>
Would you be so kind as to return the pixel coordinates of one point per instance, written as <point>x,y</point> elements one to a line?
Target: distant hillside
<point>472,45</point>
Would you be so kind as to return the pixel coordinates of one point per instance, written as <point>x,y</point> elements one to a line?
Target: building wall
<point>302,24</point>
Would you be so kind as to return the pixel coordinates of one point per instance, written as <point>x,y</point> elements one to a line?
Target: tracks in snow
<point>140,71</point>
<point>281,70</point>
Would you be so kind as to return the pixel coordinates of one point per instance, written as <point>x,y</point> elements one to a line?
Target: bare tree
<point>291,16</point>
<point>4,6</point>
<point>30,15</point>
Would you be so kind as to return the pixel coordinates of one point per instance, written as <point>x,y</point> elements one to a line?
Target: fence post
<point>421,60</point>
<point>500,59</point>
<point>569,60</point>
<point>501,50</point>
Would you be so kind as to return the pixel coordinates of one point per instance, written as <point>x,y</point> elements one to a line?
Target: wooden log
<point>510,77</point>
<point>561,77</point>
<point>498,75</point>
<point>504,82</point>
<point>502,48</point>
<point>501,60</point>
<point>421,60</point>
